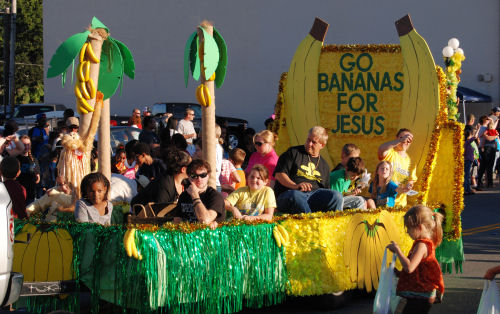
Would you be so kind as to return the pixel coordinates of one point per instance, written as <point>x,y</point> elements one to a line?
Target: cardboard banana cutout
<point>364,247</point>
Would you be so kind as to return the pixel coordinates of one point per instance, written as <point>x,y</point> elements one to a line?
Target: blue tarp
<point>470,95</point>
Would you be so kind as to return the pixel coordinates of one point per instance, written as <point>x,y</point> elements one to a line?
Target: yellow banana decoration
<point>83,104</point>
<point>277,237</point>
<point>82,52</point>
<point>364,247</point>
<point>91,88</point>
<point>83,89</point>
<point>91,55</point>
<point>79,72</point>
<point>212,77</point>
<point>86,73</point>
<point>203,95</point>
<point>284,234</point>
<point>126,241</point>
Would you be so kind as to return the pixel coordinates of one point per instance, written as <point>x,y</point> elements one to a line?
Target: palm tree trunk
<point>208,119</point>
<point>104,149</point>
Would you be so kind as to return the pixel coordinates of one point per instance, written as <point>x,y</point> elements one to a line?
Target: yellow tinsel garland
<point>392,48</point>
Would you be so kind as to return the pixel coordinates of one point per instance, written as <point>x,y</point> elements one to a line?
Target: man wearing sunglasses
<point>303,178</point>
<point>199,202</point>
<point>186,128</point>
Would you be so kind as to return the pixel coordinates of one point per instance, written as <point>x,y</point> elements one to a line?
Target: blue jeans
<point>320,200</point>
<point>467,174</point>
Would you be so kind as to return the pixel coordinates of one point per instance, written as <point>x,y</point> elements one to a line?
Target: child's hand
<point>237,214</point>
<point>393,247</point>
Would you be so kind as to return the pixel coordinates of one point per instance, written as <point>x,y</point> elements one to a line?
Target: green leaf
<point>211,54</point>
<point>110,69</point>
<point>194,60</point>
<point>128,59</point>
<point>187,55</point>
<point>66,53</point>
<point>98,24</point>
<point>220,72</point>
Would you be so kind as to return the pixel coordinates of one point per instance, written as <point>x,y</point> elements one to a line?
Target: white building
<point>262,37</point>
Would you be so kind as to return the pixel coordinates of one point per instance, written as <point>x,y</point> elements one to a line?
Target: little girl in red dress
<point>420,281</point>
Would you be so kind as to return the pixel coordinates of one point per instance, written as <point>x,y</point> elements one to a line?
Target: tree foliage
<point>29,51</point>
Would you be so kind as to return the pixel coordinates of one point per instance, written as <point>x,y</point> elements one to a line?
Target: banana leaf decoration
<point>214,57</point>
<point>116,60</point>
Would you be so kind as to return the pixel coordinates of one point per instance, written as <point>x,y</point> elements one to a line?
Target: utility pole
<point>12,56</point>
<point>6,58</point>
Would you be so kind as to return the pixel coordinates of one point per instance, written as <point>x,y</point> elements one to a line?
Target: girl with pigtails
<point>420,281</point>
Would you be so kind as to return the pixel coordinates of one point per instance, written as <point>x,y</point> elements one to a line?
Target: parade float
<point>363,94</point>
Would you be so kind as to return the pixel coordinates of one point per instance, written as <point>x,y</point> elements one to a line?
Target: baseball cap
<point>72,121</point>
<point>142,180</point>
<point>496,109</point>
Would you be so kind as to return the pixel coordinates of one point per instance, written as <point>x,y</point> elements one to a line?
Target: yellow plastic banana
<point>199,95</point>
<point>83,104</point>
<point>135,252</point>
<point>126,241</point>
<point>82,52</point>
<point>284,233</point>
<point>77,91</point>
<point>86,70</point>
<point>91,55</point>
<point>91,87</point>
<point>83,90</point>
<point>206,95</point>
<point>79,72</point>
<point>421,93</point>
<point>301,89</point>
<point>277,237</point>
<point>81,110</point>
<point>212,77</point>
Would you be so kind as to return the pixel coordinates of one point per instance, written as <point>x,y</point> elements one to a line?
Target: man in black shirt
<point>149,167</point>
<point>148,134</point>
<point>200,202</point>
<point>303,178</point>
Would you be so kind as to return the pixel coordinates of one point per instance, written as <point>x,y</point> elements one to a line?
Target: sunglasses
<point>259,144</point>
<point>195,176</point>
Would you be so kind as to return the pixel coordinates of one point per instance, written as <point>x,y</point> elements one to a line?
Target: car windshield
<point>24,111</point>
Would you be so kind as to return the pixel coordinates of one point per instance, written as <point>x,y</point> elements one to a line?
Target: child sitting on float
<point>382,189</point>
<point>94,205</point>
<point>256,201</point>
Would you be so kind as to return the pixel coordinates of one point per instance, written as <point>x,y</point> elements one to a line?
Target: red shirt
<point>426,281</point>
<point>17,194</point>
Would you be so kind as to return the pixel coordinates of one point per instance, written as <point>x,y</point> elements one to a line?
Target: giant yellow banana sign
<point>361,94</point>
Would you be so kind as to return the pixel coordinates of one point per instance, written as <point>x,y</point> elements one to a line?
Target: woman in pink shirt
<point>265,155</point>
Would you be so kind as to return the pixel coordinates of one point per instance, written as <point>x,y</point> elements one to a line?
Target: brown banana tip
<point>404,25</point>
<point>319,29</point>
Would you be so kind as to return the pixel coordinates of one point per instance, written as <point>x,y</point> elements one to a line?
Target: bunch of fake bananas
<point>85,88</point>
<point>364,247</point>
<point>281,235</point>
<point>129,244</point>
<point>203,95</point>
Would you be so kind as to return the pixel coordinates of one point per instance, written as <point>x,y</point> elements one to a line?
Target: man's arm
<point>384,148</point>
<point>285,180</point>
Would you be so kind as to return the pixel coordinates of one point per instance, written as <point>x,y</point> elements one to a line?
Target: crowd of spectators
<point>164,166</point>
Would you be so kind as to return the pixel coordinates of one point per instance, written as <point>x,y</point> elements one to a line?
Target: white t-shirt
<point>186,127</point>
<point>122,189</point>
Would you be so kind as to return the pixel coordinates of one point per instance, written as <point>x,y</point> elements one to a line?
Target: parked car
<point>10,282</point>
<point>25,114</point>
<point>121,135</point>
<point>234,126</point>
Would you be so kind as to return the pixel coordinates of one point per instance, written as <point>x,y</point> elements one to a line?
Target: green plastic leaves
<point>214,57</point>
<point>66,53</point>
<point>111,69</point>
<point>116,60</point>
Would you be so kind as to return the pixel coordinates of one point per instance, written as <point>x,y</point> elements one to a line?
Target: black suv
<point>234,126</point>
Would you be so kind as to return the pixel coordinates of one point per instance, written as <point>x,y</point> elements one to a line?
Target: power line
<point>21,63</point>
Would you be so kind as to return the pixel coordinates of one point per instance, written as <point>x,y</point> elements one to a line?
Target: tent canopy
<point>470,95</point>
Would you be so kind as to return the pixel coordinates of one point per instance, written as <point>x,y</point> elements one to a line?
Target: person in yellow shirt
<point>404,174</point>
<point>256,201</point>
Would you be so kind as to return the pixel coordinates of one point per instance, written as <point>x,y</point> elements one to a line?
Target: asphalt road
<point>481,229</point>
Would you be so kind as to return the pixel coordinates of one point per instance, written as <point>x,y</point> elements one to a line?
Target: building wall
<point>262,37</point>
